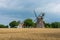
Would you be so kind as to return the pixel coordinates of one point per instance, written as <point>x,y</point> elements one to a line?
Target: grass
<point>30,34</point>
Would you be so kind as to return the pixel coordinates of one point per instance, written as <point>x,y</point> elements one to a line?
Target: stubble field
<point>30,34</point>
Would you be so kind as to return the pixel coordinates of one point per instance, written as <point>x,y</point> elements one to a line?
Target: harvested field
<point>30,34</point>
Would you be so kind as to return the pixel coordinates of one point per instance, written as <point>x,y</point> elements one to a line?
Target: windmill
<point>39,18</point>
<point>20,24</point>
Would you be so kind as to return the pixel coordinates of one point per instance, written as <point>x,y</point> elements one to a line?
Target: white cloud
<point>53,7</point>
<point>50,8</point>
<point>10,4</point>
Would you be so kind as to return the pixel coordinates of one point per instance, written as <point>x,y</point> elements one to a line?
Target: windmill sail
<point>35,14</point>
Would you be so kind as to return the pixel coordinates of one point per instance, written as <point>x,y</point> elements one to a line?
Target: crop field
<point>29,34</point>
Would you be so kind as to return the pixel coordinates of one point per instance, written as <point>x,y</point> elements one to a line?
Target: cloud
<point>51,7</point>
<point>10,4</point>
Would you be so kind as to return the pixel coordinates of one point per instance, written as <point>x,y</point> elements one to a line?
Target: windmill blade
<point>43,14</point>
<point>35,14</point>
<point>35,20</point>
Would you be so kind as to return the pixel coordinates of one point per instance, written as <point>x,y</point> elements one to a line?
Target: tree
<point>55,25</point>
<point>58,24</point>
<point>3,26</point>
<point>28,23</point>
<point>13,24</point>
<point>47,25</point>
<point>52,25</point>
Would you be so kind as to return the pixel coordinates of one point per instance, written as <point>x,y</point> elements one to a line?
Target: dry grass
<point>30,34</point>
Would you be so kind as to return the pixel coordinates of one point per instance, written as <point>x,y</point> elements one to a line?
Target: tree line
<point>29,23</point>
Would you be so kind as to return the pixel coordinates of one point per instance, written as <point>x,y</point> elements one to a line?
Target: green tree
<point>13,24</point>
<point>3,26</point>
<point>47,25</point>
<point>28,23</point>
<point>58,24</point>
<point>52,25</point>
<point>55,25</point>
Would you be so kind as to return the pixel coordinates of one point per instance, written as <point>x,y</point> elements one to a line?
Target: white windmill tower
<point>39,18</point>
<point>20,25</point>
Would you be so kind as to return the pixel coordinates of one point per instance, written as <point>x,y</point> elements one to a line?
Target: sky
<point>19,10</point>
